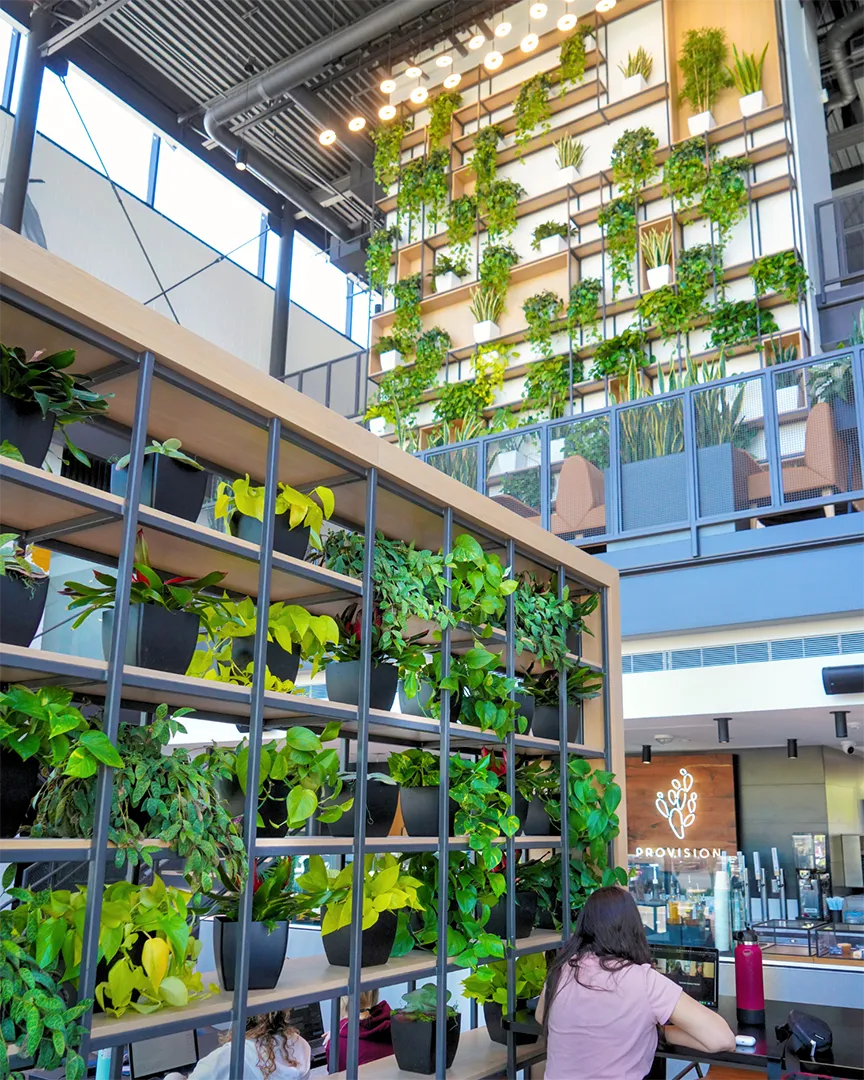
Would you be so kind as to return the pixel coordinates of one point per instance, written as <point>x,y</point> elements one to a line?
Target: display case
<point>683,901</point>
<point>841,940</point>
<point>789,937</point>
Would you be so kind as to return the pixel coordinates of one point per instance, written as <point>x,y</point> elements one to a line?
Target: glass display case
<point>789,937</point>
<point>840,940</point>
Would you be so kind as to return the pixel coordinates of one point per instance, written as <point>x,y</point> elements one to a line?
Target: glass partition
<point>730,446</point>
<point>460,463</point>
<point>513,473</point>
<point>579,454</point>
<point>653,464</point>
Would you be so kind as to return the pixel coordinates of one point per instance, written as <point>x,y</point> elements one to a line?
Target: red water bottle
<point>749,987</point>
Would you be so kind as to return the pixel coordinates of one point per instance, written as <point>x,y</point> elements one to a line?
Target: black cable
<point>200,270</point>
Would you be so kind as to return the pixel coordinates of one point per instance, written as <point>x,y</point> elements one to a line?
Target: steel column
<point>282,295</point>
<point>24,127</point>
<point>607,709</point>
<point>114,691</point>
<point>510,844</point>
<point>256,732</point>
<point>443,822</point>
<point>564,785</point>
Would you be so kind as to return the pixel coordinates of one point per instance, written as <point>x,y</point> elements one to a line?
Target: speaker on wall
<point>848,679</point>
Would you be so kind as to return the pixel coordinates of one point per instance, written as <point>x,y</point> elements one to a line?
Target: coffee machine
<point>812,873</point>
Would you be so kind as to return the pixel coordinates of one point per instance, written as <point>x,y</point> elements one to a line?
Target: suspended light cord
<point>120,201</point>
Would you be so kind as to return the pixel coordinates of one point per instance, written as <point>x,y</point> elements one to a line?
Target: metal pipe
<point>24,127</point>
<point>835,46</point>
<point>282,295</point>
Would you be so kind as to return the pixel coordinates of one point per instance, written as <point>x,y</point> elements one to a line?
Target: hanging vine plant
<point>582,307</point>
<point>572,58</point>
<point>441,109</point>
<point>633,162</point>
<point>618,222</point>
<point>725,196</point>
<point>499,207</point>
<point>485,159</point>
<point>495,266</point>
<point>541,312</point>
<point>685,173</point>
<point>432,347</point>
<point>388,150</point>
<point>532,110</point>
<point>412,190</point>
<point>462,225</point>
<point>547,385</point>
<point>378,252</point>
<point>615,355</point>
<point>436,186</point>
<point>463,403</point>
<point>782,273</point>
<point>407,324</point>
<point>740,322</point>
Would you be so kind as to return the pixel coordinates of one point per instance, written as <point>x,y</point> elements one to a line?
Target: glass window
<point>317,285</point>
<point>5,42</point>
<point>201,200</point>
<point>360,313</point>
<point>122,138</point>
<point>271,258</point>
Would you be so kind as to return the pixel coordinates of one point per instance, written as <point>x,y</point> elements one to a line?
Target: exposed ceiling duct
<point>838,53</point>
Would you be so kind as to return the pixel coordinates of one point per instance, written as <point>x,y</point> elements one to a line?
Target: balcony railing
<point>341,384</point>
<point>777,441</point>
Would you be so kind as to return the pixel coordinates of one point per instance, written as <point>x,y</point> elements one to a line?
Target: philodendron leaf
<point>301,804</point>
<point>155,958</point>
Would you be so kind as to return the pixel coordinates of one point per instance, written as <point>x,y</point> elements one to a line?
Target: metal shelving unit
<point>166,381</point>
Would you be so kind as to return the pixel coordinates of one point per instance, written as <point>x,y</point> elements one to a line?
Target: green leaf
<point>101,747</point>
<point>81,763</point>
<point>300,738</point>
<point>301,804</point>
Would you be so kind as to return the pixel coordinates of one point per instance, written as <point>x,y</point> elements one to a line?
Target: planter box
<point>24,426</point>
<point>659,276</point>
<point>722,473</point>
<point>283,665</point>
<point>701,122</point>
<point>156,638</point>
<point>654,492</point>
<point>286,541</point>
<point>343,683</point>
<point>635,84</point>
<point>414,1043</point>
<point>167,485</point>
<point>446,282</point>
<point>538,822</point>
<point>20,609</point>
<point>551,245</point>
<point>485,331</point>
<point>569,174</point>
<point>266,953</point>
<point>389,359</point>
<point>381,802</point>
<point>751,104</point>
<point>376,943</point>
<point>493,1013</point>
<point>20,784</point>
<point>546,722</point>
<point>420,811</point>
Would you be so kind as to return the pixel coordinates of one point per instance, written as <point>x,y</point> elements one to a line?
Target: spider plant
<point>639,63</point>
<point>657,247</point>
<point>746,71</point>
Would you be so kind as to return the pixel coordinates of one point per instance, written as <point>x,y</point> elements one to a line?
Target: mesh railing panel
<point>580,477</point>
<point>513,473</point>
<point>730,446</point>
<point>653,465</point>
<point>460,463</point>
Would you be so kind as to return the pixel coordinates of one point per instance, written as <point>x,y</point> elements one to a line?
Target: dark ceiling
<point>845,131</point>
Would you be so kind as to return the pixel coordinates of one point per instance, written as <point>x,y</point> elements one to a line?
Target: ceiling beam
<point>93,17</point>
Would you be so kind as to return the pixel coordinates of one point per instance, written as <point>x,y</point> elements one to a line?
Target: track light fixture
<point>477,42</point>
<point>240,158</point>
<point>646,754</point>
<point>841,729</point>
<point>387,112</point>
<point>419,94</point>
<point>566,22</point>
<point>792,748</point>
<point>723,729</point>
<point>503,29</point>
<point>388,86</point>
<point>492,61</point>
<point>327,137</point>
<point>413,72</point>
<point>529,43</point>
<point>357,124</point>
<point>453,80</point>
<point>538,11</point>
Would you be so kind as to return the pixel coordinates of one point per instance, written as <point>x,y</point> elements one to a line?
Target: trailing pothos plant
<point>633,163</point>
<point>461,225</point>
<point>618,221</point>
<point>489,983</point>
<point>498,208</point>
<point>685,172</point>
<point>782,273</point>
<point>495,264</point>
<point>388,148</point>
<point>378,252</point>
<point>547,386</point>
<point>16,561</point>
<point>407,323</point>
<point>479,584</point>
<point>740,322</point>
<point>725,195</point>
<point>543,619</point>
<point>532,110</point>
<point>411,194</point>
<point>676,310</point>
<point>441,109</point>
<point>436,185</point>
<point>483,691</point>
<point>484,161</point>
<point>542,312</point>
<point>240,496</point>
<point>156,796</point>
<point>583,304</point>
<point>615,355</point>
<point>572,58</point>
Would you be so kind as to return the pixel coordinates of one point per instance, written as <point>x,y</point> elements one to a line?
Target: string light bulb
<point>529,43</point>
<point>414,72</point>
<point>503,29</point>
<point>387,112</point>
<point>492,61</point>
<point>566,22</point>
<point>357,124</point>
<point>538,11</point>
<point>327,137</point>
<point>444,61</point>
<point>604,5</point>
<point>477,42</point>
<point>419,94</point>
<point>388,86</point>
<point>453,80</point>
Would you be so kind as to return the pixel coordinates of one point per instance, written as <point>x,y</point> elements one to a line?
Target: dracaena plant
<point>147,587</point>
<point>388,642</point>
<point>273,897</point>
<point>633,161</point>
<point>242,497</point>
<point>487,304</point>
<point>618,222</point>
<point>156,796</point>
<point>170,449</point>
<point>17,562</point>
<point>45,381</point>
<point>656,245</point>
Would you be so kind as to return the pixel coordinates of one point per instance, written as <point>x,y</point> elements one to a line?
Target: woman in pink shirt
<point>603,1000</point>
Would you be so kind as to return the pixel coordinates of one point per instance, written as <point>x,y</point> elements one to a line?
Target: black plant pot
<point>574,641</point>
<point>24,426</point>
<point>272,808</point>
<point>166,484</point>
<point>156,638</point>
<point>20,609</point>
<point>266,953</point>
<point>420,811</point>
<point>421,705</point>
<point>343,684</point>
<point>526,709</point>
<point>284,665</point>
<point>545,724</point>
<point>381,802</point>
<point>293,542</point>
<point>376,944</point>
<point>538,822</point>
<point>493,1014</point>
<point>520,809</point>
<point>19,782</point>
<point>526,909</point>
<point>414,1043</point>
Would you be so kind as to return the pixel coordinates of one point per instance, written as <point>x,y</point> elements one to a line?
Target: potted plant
<point>656,247</point>
<point>461,226</point>
<point>498,207</point>
<point>274,904</point>
<point>542,311</point>
<point>449,272</point>
<point>685,172</point>
<point>343,665</point>
<point>487,306</point>
<point>37,728</point>
<point>636,71</point>
<point>633,163</point>
<point>386,892</point>
<point>39,393</point>
<point>484,160</point>
<point>23,589</point>
<point>532,110</point>
<point>157,795</point>
<point>488,987</point>
<point>388,149</point>
<point>569,155</point>
<point>171,480</point>
<point>572,56</point>
<point>387,347</point>
<point>582,683</point>
<point>382,800</point>
<point>164,616</point>
<point>413,1030</point>
<point>417,774</point>
<point>550,237</point>
<point>298,517</point>
<point>725,195</point>
<point>781,273</point>
<point>746,75</point>
<point>703,75</point>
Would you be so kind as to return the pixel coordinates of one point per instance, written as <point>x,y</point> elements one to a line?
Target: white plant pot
<point>635,84</point>
<point>590,43</point>
<point>445,282</point>
<point>378,425</point>
<point>569,174</point>
<point>788,399</point>
<point>659,276</point>
<point>550,245</point>
<point>485,331</point>
<point>389,359</point>
<point>701,122</point>
<point>751,104</point>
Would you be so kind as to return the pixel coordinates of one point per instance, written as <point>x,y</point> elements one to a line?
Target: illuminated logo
<point>678,805</point>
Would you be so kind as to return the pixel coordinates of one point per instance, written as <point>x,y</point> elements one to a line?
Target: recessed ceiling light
<point>538,11</point>
<point>566,22</point>
<point>492,61</point>
<point>357,124</point>
<point>419,94</point>
<point>414,72</point>
<point>605,5</point>
<point>529,43</point>
<point>503,29</point>
<point>477,42</point>
<point>388,86</point>
<point>327,138</point>
<point>387,112</point>
<point>444,61</point>
<point>453,80</point>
